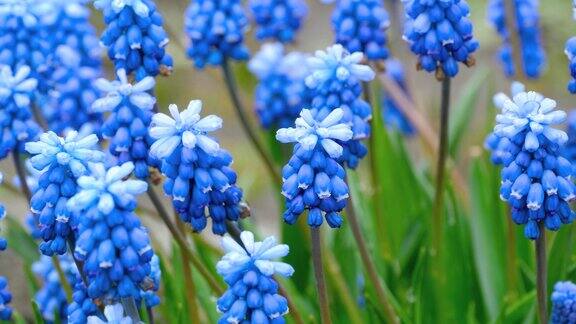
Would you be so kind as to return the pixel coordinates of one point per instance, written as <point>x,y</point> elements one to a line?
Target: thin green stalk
<point>130,309</point>
<point>191,299</point>
<point>510,254</point>
<point>541,274</point>
<point>441,166</point>
<point>150,315</point>
<point>319,275</point>
<point>62,276</point>
<point>248,129</point>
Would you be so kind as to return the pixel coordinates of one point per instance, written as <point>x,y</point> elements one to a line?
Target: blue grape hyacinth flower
<point>81,306</point>
<point>216,31</point>
<point>5,299</point>
<point>199,178</point>
<point>62,161</point>
<point>535,178</point>
<point>393,117</point>
<point>440,34</point>
<point>278,20</point>
<point>314,180</point>
<point>281,92</point>
<point>131,109</point>
<point>114,315</point>
<point>335,81</point>
<point>248,271</point>
<point>135,37</point>
<point>112,242</point>
<point>527,19</point>
<point>563,303</point>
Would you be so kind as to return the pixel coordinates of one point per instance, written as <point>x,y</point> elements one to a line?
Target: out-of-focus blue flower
<point>216,31</point>
<point>527,19</point>
<point>253,292</point>
<point>535,178</point>
<point>3,242</point>
<point>17,125</point>
<point>393,117</point>
<point>199,177</point>
<point>281,92</point>
<point>62,161</point>
<point>570,52</point>
<point>360,26</point>
<point>5,299</point>
<point>114,313</point>
<point>112,242</point>
<point>126,126</point>
<point>335,82</point>
<point>135,37</point>
<point>440,34</point>
<point>563,303</point>
<point>569,150</point>
<point>81,306</point>
<point>278,20</point>
<point>314,180</point>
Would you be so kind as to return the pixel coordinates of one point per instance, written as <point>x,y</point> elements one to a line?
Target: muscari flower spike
<point>281,92</point>
<point>112,242</point>
<point>16,121</point>
<point>5,299</point>
<point>278,20</point>
<point>248,271</point>
<point>335,82</point>
<point>313,178</point>
<point>392,115</point>
<point>535,178</point>
<point>527,19</point>
<point>62,161</point>
<point>563,303</point>
<point>135,37</point>
<point>199,178</point>
<point>131,109</point>
<point>216,31</point>
<point>440,34</point>
<point>114,315</point>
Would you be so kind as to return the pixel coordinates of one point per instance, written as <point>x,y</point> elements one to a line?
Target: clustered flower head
<point>281,92</point>
<point>131,109</point>
<point>335,82</point>
<point>527,19</point>
<point>535,178</point>
<point>135,37</point>
<point>114,314</point>
<point>393,117</point>
<point>278,20</point>
<point>17,125</point>
<point>112,242</point>
<point>62,161</point>
<point>199,178</point>
<point>314,180</point>
<point>440,34</point>
<point>563,303</point>
<point>216,31</point>
<point>360,26</point>
<point>5,299</point>
<point>248,271</point>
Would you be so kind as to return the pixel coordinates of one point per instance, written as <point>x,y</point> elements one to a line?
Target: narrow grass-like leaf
<point>21,242</point>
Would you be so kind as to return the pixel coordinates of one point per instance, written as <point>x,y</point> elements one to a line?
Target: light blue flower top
<point>120,89</point>
<point>114,315</point>
<point>140,8</point>
<point>17,86</point>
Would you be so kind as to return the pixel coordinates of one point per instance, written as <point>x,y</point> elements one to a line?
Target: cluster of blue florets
<point>570,52</point>
<point>281,92</point>
<point>563,303</point>
<point>440,33</point>
<point>135,37</point>
<point>278,20</point>
<point>313,179</point>
<point>216,31</point>
<point>199,178</point>
<point>393,117</point>
<point>527,19</point>
<point>81,306</point>
<point>5,299</point>
<point>535,178</point>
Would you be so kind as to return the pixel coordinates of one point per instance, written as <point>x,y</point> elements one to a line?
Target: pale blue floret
<point>114,314</point>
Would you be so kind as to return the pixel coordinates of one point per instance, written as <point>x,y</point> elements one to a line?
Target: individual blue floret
<point>216,31</point>
<point>281,92</point>
<point>17,125</point>
<point>131,109</point>
<point>199,178</point>
<point>252,296</point>
<point>563,303</point>
<point>313,179</point>
<point>535,178</point>
<point>527,19</point>
<point>112,242</point>
<point>5,299</point>
<point>278,20</point>
<point>393,117</point>
<point>440,34</point>
<point>135,37</point>
<point>335,81</point>
<point>62,161</point>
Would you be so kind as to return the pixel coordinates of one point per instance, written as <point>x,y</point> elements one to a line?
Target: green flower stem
<point>248,129</point>
<point>541,274</point>
<point>130,309</point>
<point>150,315</point>
<point>63,280</point>
<point>191,299</point>
<point>319,275</point>
<point>437,208</point>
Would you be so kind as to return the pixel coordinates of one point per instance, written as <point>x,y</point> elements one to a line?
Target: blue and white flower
<point>114,313</point>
